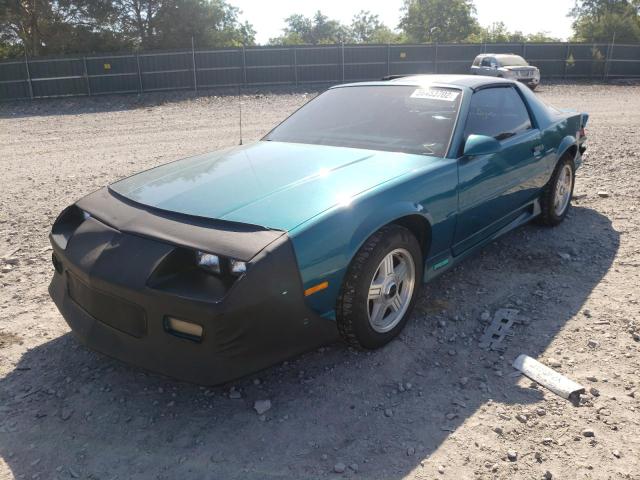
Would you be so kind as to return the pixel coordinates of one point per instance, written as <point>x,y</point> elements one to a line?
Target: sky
<point>528,16</point>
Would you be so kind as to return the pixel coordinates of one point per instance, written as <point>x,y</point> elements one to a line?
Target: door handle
<point>537,150</point>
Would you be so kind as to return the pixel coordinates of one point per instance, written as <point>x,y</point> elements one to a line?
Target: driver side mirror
<point>481,145</point>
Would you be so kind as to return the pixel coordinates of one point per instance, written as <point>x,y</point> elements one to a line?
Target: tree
<point>212,23</point>
<point>438,20</point>
<point>172,23</point>
<point>137,19</point>
<point>499,33</point>
<point>600,20</point>
<point>367,28</point>
<point>38,27</point>
<point>316,30</point>
<point>542,37</point>
<point>45,27</point>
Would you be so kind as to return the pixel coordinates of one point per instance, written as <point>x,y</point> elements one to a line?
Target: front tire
<point>555,200</point>
<point>380,288</point>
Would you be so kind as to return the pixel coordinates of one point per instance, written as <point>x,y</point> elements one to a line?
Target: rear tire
<point>533,87</point>
<point>555,200</point>
<point>380,288</point>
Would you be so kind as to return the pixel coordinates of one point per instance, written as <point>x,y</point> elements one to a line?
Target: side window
<point>476,62</point>
<point>486,62</point>
<point>497,112</point>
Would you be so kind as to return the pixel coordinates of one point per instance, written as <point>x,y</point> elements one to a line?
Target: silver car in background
<point>509,66</point>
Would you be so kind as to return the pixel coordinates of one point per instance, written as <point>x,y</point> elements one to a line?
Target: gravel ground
<point>432,404</point>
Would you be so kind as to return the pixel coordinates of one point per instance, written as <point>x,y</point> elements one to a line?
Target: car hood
<point>270,184</point>
<point>521,68</point>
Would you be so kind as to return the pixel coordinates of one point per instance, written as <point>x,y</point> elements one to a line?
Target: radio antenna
<point>240,114</point>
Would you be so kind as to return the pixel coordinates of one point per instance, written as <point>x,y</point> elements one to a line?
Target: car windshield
<point>395,118</point>
<point>512,61</point>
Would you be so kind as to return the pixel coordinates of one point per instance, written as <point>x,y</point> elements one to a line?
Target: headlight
<point>209,261</point>
<point>214,264</point>
<point>237,267</point>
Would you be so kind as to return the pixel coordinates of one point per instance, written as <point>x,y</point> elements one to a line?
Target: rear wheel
<point>555,200</point>
<point>380,288</point>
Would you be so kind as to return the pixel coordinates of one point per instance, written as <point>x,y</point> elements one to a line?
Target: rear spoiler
<point>584,118</point>
<point>393,77</point>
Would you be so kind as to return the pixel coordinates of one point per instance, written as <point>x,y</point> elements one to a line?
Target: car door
<point>494,188</point>
<point>486,66</point>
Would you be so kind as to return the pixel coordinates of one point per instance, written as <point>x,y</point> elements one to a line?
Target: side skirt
<point>439,264</point>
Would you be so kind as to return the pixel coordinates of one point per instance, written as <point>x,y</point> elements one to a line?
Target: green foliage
<point>42,27</point>
<point>542,37</point>
<point>499,33</point>
<point>365,27</point>
<point>211,23</point>
<point>438,20</point>
<point>313,31</point>
<point>10,50</point>
<point>602,20</point>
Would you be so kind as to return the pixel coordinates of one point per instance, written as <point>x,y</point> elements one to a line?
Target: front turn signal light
<point>182,328</point>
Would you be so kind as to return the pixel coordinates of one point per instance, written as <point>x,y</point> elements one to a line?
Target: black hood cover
<point>231,239</point>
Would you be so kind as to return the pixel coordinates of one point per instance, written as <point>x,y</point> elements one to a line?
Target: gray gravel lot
<point>432,404</point>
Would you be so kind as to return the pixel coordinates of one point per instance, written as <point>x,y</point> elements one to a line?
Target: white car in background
<point>509,66</point>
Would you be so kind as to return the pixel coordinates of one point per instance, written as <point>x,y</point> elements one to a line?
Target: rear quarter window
<point>497,112</point>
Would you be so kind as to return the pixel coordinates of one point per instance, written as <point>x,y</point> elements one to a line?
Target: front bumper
<point>530,81</point>
<point>107,288</point>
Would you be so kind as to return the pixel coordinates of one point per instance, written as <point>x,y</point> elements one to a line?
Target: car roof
<point>469,81</point>
<point>498,55</point>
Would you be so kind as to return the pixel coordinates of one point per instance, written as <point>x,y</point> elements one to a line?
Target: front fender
<point>325,249</point>
<point>326,244</point>
<point>375,220</point>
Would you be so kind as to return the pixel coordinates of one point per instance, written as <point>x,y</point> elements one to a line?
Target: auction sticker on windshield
<point>435,94</point>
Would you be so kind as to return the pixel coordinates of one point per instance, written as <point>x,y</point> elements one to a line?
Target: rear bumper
<point>102,286</point>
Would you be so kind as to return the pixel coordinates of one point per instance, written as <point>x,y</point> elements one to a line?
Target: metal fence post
<point>193,61</point>
<point>139,73</point>
<point>342,46</point>
<point>566,61</point>
<point>86,75</point>
<point>30,83</point>
<point>435,59</point>
<point>295,65</point>
<point>388,58</point>
<point>608,60</point>
<point>244,65</point>
<point>524,50</point>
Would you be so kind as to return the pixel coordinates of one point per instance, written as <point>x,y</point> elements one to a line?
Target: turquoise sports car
<point>215,266</point>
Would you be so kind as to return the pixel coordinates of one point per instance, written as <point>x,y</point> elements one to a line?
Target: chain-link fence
<point>293,65</point>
